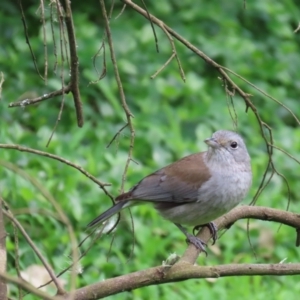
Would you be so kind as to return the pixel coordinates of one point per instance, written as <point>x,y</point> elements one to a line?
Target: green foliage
<point>172,118</point>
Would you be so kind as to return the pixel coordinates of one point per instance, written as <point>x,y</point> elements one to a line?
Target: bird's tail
<point>109,213</point>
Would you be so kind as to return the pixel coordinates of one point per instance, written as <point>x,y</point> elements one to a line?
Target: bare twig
<point>52,18</point>
<point>28,287</point>
<point>121,12</point>
<point>60,289</point>
<point>126,109</point>
<point>1,83</point>
<point>17,250</point>
<point>26,102</point>
<point>27,38</point>
<point>103,71</point>
<point>43,20</point>
<point>95,234</point>
<point>163,66</point>
<point>116,135</point>
<point>286,153</point>
<point>297,29</point>
<point>3,256</point>
<point>63,47</point>
<point>74,62</point>
<point>174,54</point>
<point>230,103</point>
<point>67,162</point>
<point>65,17</point>
<point>152,27</point>
<point>264,93</point>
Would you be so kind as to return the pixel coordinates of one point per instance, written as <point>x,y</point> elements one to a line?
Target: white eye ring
<point>233,145</point>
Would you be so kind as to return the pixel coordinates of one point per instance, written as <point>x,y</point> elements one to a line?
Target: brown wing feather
<point>177,182</point>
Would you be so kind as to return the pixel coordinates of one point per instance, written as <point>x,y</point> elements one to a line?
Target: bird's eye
<point>233,145</point>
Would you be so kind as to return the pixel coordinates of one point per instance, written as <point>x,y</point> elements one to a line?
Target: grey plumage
<point>195,189</point>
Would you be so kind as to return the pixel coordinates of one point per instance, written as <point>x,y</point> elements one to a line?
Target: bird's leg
<point>212,228</point>
<point>198,243</point>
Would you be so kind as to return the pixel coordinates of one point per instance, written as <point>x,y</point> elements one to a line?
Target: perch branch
<point>185,269</point>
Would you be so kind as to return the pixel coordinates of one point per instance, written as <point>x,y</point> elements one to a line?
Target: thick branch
<point>179,272</point>
<point>74,62</point>
<point>185,268</point>
<point>244,212</point>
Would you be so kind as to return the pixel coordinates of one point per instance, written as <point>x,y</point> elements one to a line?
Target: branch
<point>245,212</point>
<point>51,273</point>
<point>124,104</point>
<point>3,256</point>
<point>67,19</point>
<point>26,102</point>
<point>185,268</point>
<point>55,157</point>
<point>28,287</point>
<point>179,272</point>
<point>74,62</point>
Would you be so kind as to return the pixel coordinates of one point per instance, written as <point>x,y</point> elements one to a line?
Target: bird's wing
<point>178,182</point>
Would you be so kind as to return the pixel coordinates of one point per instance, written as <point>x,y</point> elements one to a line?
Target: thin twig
<point>264,93</point>
<point>28,287</point>
<point>3,255</point>
<point>101,74</point>
<point>163,66</point>
<point>151,24</point>
<point>52,6</point>
<point>43,20</point>
<point>121,12</point>
<point>1,83</point>
<point>174,54</point>
<point>116,135</point>
<point>62,70</point>
<point>65,161</point>
<point>26,102</point>
<point>126,109</point>
<point>297,29</point>
<point>60,289</point>
<point>27,38</point>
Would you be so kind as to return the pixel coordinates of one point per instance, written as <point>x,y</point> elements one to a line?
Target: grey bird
<point>196,189</point>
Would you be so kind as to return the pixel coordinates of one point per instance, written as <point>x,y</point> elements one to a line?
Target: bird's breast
<point>218,195</point>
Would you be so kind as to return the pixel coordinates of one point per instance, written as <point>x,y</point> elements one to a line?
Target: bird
<point>196,189</point>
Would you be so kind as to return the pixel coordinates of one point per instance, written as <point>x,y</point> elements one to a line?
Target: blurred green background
<point>172,118</point>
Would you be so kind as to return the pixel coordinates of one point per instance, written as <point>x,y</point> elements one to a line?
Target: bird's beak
<point>212,142</point>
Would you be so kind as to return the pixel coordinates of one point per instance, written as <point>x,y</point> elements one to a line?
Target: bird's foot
<point>212,228</point>
<point>198,243</point>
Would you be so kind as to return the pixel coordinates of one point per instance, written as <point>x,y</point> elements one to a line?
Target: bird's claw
<point>212,228</point>
<point>198,243</point>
